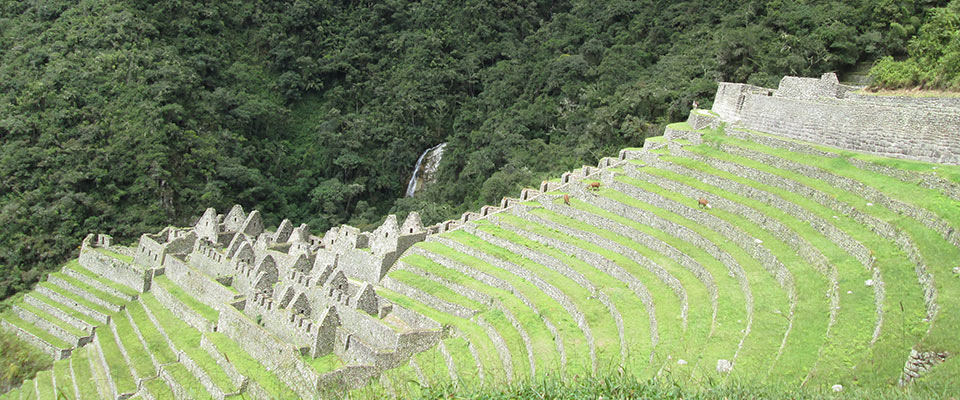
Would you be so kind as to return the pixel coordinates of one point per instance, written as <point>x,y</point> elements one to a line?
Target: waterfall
<point>412,185</point>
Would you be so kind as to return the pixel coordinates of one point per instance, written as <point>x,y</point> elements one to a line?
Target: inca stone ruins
<point>805,234</point>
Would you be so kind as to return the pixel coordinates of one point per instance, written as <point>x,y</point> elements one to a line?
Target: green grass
<point>139,356</point>
<point>187,339</point>
<point>40,333</point>
<point>434,288</point>
<point>489,359</point>
<point>888,258</point>
<point>205,311</point>
<point>463,361</point>
<point>73,296</point>
<point>905,323</point>
<point>631,308</point>
<point>116,365</point>
<point>666,303</point>
<point>53,320</point>
<point>250,367</point>
<point>44,381</point>
<point>770,301</point>
<point>433,366</point>
<point>64,380</point>
<point>106,297</point>
<point>811,314</point>
<point>190,384</point>
<point>158,388</point>
<point>324,364</point>
<point>80,362</point>
<point>156,344</point>
<point>29,390</point>
<point>601,323</point>
<point>122,257</point>
<point>64,308</point>
<point>74,265</point>
<point>544,349</point>
<point>699,317</point>
<point>731,311</point>
<point>857,314</point>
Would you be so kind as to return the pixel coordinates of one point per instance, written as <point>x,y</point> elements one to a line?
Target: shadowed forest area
<point>123,116</point>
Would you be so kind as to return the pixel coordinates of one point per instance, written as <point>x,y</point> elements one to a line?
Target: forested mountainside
<point>123,116</point>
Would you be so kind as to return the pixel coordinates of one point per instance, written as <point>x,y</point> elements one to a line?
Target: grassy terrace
<point>493,316</point>
<point>139,356</point>
<point>811,313</point>
<point>770,301</point>
<point>851,277</point>
<point>40,333</point>
<point>906,327</point>
<point>63,308</point>
<point>857,314</point>
<point>667,305</point>
<point>122,257</point>
<point>83,373</point>
<point>104,296</point>
<point>64,380</point>
<point>44,381</point>
<point>74,297</point>
<point>75,266</point>
<point>489,359</point>
<point>187,381</point>
<point>250,367</point>
<point>187,339</point>
<point>53,320</point>
<point>156,344</point>
<point>544,349</point>
<point>731,311</point>
<point>322,365</point>
<point>638,343</point>
<point>116,365</point>
<point>601,323</point>
<point>700,314</point>
<point>207,312</point>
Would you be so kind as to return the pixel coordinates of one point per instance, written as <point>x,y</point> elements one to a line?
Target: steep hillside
<point>122,116</point>
<point>713,254</point>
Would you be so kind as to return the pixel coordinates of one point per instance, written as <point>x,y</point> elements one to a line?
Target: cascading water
<point>435,160</point>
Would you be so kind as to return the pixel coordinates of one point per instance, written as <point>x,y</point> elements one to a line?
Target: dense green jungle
<point>123,116</point>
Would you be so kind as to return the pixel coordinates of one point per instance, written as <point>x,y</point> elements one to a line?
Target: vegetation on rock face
<point>934,55</point>
<point>121,116</point>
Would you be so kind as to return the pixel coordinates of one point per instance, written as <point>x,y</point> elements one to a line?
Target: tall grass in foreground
<point>627,387</point>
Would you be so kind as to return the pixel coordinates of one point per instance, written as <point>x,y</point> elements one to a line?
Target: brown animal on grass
<point>704,203</point>
<point>594,186</point>
<point>566,199</point>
